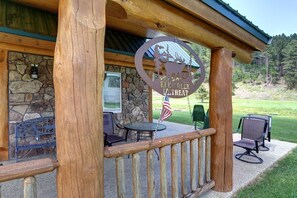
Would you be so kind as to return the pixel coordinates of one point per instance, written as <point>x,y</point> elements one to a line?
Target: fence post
<point>30,187</point>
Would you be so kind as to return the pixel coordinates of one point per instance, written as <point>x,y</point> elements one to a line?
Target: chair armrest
<point>119,126</point>
<point>105,139</point>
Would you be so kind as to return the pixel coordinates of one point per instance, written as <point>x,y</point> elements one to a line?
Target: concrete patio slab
<point>243,173</point>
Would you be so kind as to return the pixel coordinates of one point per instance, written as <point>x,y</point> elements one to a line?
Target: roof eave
<point>238,19</point>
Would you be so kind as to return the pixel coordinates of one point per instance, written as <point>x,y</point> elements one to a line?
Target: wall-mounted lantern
<point>34,71</point>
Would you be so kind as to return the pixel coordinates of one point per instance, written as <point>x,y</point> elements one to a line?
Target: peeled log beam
<point>162,17</point>
<point>201,10</point>
<point>220,115</point>
<point>78,78</point>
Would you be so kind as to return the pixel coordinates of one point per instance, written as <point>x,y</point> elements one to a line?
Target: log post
<point>221,119</point>
<point>30,187</point>
<point>78,80</point>
<point>3,105</point>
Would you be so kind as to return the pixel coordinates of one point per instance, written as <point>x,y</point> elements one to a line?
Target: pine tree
<point>290,64</point>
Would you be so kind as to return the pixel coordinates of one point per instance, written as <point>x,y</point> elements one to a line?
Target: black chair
<point>198,116</point>
<point>206,120</point>
<point>109,136</point>
<point>252,133</point>
<point>267,135</point>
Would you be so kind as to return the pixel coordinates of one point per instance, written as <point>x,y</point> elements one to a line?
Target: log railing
<point>199,143</point>
<point>27,170</point>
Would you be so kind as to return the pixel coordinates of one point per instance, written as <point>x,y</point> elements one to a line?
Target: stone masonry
<point>29,98</point>
<point>32,98</point>
<point>135,97</point>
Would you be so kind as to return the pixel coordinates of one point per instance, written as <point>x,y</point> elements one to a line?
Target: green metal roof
<point>227,11</point>
<point>26,21</point>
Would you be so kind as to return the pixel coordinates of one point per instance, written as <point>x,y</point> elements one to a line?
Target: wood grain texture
<point>174,171</point>
<point>202,11</point>
<point>201,169</point>
<point>78,80</point>
<point>3,105</point>
<point>26,41</point>
<point>193,164</point>
<point>120,175</point>
<point>125,149</point>
<point>29,45</point>
<point>136,175</point>
<point>203,189</point>
<point>150,173</point>
<point>50,6</point>
<point>163,175</point>
<point>154,15</point>
<point>193,21</point>
<point>208,158</point>
<point>30,187</point>
<point>27,169</point>
<point>25,49</point>
<point>220,114</point>
<point>184,168</point>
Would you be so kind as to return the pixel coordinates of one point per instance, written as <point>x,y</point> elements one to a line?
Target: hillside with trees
<point>275,68</point>
<point>277,64</point>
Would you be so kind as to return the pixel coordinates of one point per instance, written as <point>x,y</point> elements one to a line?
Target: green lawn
<point>284,113</point>
<point>281,181</point>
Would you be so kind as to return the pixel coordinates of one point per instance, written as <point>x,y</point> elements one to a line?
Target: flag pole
<point>160,115</point>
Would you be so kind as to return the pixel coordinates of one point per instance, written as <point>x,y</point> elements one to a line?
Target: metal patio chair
<point>109,136</point>
<point>267,135</point>
<point>198,116</point>
<point>252,137</point>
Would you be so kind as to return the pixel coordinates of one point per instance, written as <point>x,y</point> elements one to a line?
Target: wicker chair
<point>252,137</point>
<point>267,135</point>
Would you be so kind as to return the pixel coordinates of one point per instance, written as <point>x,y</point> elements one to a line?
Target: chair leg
<point>263,147</point>
<point>250,154</point>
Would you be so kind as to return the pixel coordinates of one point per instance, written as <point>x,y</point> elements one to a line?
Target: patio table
<point>143,126</point>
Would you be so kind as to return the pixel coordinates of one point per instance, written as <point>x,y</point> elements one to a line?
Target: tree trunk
<point>78,80</point>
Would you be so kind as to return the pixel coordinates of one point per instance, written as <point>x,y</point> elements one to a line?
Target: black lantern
<point>34,71</point>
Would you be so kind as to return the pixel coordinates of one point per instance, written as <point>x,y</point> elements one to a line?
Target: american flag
<point>166,109</point>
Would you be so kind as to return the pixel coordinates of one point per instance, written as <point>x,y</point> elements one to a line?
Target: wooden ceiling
<point>188,20</point>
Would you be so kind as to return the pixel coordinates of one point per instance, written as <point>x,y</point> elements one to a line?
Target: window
<point>112,92</point>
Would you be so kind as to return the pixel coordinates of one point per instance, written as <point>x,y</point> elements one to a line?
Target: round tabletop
<point>144,126</point>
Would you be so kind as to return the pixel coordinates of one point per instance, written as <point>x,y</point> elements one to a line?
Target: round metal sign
<point>178,70</point>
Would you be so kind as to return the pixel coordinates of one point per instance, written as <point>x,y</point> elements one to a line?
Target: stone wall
<point>29,98</point>
<point>135,97</point>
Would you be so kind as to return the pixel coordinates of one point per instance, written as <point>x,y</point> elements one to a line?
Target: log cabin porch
<point>46,182</point>
<point>80,64</point>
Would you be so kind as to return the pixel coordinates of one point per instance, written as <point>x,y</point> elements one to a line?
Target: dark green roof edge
<point>227,11</point>
<point>27,34</point>
<point>125,53</point>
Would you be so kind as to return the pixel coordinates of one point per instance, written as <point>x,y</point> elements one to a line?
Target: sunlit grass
<point>284,113</point>
<point>281,181</point>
